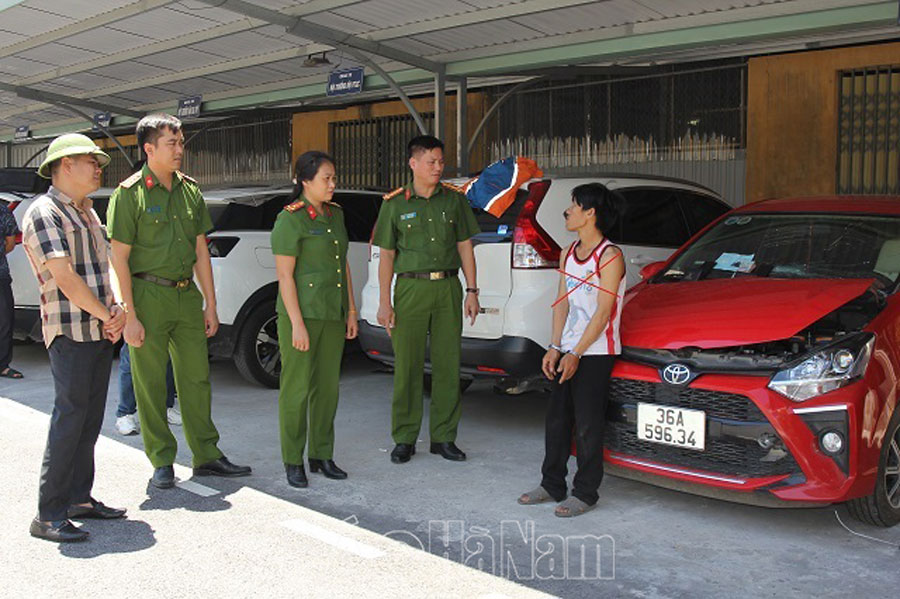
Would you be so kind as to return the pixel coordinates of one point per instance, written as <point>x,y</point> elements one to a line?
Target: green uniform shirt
<point>160,226</point>
<point>319,242</point>
<point>425,231</point>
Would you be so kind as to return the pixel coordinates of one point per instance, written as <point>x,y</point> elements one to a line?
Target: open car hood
<point>730,312</point>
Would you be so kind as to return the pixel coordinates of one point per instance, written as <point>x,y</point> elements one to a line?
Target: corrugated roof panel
<point>206,11</point>
<point>198,85</point>
<point>30,22</point>
<point>58,55</point>
<point>8,38</point>
<point>490,3</point>
<point>21,67</point>
<point>249,76</point>
<point>238,45</point>
<point>163,23</point>
<point>181,58</point>
<point>85,81</point>
<point>479,35</point>
<point>133,70</point>
<point>106,40</point>
<point>678,8</point>
<point>56,88</point>
<point>339,22</point>
<point>278,4</point>
<point>413,46</point>
<point>588,17</point>
<point>391,13</point>
<point>76,9</point>
<point>146,95</point>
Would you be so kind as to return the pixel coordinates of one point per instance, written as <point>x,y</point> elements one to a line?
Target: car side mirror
<point>651,269</point>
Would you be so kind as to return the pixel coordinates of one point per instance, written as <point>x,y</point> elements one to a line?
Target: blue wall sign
<point>349,81</point>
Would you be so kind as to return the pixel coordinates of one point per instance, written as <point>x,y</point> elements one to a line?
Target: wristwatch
<point>472,290</point>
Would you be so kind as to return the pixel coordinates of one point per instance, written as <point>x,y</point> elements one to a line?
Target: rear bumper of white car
<point>506,356</point>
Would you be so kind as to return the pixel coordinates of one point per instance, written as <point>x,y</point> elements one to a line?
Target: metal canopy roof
<point>131,57</point>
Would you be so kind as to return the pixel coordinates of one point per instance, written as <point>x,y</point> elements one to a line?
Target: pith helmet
<point>71,144</point>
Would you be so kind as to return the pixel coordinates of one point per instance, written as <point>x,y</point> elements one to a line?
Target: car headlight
<point>826,370</point>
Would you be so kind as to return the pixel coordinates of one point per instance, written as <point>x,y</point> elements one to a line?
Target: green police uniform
<point>424,232</point>
<point>309,380</point>
<point>162,228</point>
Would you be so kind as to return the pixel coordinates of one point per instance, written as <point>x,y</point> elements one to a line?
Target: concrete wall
<point>792,120</point>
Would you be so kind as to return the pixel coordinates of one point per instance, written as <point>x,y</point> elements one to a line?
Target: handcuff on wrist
<point>563,351</point>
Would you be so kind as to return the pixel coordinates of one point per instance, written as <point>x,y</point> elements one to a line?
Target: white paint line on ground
<point>196,488</point>
<point>334,539</point>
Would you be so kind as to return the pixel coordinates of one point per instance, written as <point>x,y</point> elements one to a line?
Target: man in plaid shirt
<point>69,254</point>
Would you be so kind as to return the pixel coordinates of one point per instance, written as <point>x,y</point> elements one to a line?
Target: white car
<point>244,270</point>
<point>518,255</point>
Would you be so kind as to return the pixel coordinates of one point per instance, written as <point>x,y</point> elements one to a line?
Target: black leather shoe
<point>58,531</point>
<point>402,453</point>
<point>163,477</point>
<point>296,477</point>
<point>448,451</point>
<point>328,468</point>
<point>95,510</point>
<point>221,467</point>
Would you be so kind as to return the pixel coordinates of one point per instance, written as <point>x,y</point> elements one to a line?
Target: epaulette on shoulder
<point>335,205</point>
<point>453,187</point>
<point>388,196</point>
<point>188,177</point>
<point>134,178</point>
<point>295,206</point>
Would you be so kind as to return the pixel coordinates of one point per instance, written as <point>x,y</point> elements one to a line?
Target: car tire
<point>464,383</point>
<point>882,508</point>
<point>256,352</point>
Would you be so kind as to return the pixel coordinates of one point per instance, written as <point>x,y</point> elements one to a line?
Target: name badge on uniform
<point>317,231</point>
<point>407,216</point>
<point>154,209</point>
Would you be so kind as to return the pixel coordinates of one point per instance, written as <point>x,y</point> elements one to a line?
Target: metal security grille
<point>869,131</point>
<point>694,114</point>
<point>371,153</point>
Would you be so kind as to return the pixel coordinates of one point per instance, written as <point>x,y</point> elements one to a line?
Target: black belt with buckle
<point>437,275</point>
<point>180,284</point>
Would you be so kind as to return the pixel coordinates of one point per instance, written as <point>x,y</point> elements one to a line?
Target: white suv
<point>518,256</point>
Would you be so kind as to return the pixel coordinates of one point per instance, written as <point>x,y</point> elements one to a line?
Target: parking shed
<point>753,99</point>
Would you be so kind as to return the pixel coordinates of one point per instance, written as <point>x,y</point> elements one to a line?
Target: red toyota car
<point>761,361</point>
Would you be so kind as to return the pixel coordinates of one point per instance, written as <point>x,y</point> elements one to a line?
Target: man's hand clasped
<point>114,325</point>
<point>557,363</point>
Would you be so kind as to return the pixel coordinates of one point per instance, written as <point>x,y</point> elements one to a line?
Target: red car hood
<point>729,312</point>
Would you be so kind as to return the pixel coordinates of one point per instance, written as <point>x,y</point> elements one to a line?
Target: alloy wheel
<point>267,352</point>
<point>892,471</point>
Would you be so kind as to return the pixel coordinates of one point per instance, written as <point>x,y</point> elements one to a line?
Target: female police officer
<point>315,313</point>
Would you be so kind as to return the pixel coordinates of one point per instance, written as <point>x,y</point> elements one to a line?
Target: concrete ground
<point>427,528</point>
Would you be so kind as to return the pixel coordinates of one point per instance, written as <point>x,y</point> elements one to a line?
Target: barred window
<point>869,131</point>
<point>371,153</point>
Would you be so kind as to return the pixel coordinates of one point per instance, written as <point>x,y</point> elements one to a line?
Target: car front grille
<point>725,453</point>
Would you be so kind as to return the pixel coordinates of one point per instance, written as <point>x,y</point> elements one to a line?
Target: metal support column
<point>462,115</point>
<point>440,103</point>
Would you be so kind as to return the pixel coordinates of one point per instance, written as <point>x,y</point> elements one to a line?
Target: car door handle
<point>640,260</point>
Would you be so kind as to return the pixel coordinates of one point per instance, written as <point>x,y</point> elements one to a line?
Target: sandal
<point>11,373</point>
<point>572,507</point>
<point>535,496</point>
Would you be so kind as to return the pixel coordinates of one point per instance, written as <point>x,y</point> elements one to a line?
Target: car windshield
<point>788,246</point>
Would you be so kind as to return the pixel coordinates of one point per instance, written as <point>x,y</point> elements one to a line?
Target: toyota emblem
<point>676,374</point>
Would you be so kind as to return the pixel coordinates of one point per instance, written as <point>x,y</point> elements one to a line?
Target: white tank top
<point>583,302</point>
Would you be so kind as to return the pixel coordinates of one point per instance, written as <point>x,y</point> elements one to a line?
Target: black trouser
<point>7,314</point>
<point>579,404</point>
<point>81,377</point>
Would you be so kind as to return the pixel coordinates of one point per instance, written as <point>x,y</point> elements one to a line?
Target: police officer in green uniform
<point>424,230</point>
<point>316,313</point>
<point>158,221</point>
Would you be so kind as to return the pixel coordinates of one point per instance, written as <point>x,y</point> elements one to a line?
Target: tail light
<point>532,245</point>
<point>220,246</point>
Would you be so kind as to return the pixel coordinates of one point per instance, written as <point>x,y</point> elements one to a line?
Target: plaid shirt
<point>52,228</point>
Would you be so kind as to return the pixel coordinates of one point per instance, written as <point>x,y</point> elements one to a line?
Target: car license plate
<point>671,426</point>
